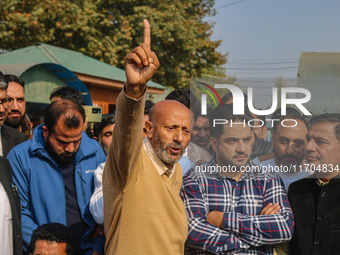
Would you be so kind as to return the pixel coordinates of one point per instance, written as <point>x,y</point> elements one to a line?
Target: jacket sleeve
<point>270,229</point>
<point>96,202</point>
<point>20,179</point>
<point>203,235</point>
<point>127,141</point>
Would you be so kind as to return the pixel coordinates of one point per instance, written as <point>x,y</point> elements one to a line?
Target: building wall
<point>39,83</point>
<point>104,97</point>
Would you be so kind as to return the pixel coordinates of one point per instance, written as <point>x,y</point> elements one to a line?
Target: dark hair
<point>3,82</point>
<point>291,113</point>
<point>328,117</point>
<point>107,119</point>
<point>53,232</point>
<point>195,107</point>
<point>224,112</point>
<point>68,93</point>
<point>261,117</point>
<point>64,107</point>
<point>229,96</point>
<point>13,78</point>
<point>197,113</point>
<point>148,106</point>
<point>181,95</point>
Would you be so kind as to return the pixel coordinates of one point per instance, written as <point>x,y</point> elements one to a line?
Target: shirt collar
<point>320,182</point>
<point>161,168</point>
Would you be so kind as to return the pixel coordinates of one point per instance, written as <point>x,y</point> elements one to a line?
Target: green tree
<point>280,82</point>
<point>109,29</point>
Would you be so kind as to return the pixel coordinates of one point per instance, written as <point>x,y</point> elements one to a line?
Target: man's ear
<point>45,132</point>
<point>265,129</point>
<point>213,143</point>
<point>273,133</point>
<point>149,127</point>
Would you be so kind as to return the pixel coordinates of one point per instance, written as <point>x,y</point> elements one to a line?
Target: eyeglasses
<point>6,103</point>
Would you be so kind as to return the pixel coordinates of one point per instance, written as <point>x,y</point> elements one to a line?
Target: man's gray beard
<point>161,150</point>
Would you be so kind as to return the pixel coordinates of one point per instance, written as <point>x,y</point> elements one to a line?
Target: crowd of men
<point>161,178</point>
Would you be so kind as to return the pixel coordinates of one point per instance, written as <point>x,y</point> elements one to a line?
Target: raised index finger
<point>147,33</point>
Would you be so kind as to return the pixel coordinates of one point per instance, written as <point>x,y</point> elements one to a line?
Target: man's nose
<point>240,146</point>
<point>310,146</point>
<point>289,148</point>
<point>178,136</point>
<point>70,147</point>
<point>15,105</point>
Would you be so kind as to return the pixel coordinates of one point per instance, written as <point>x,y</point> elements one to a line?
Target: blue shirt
<point>245,230</point>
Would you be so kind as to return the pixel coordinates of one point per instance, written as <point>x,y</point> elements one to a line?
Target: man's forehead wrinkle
<point>165,109</point>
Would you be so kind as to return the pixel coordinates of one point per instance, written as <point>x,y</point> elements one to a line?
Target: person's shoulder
<point>6,168</point>
<point>21,149</point>
<point>90,146</point>
<point>14,133</point>
<point>201,173</point>
<point>4,162</point>
<point>197,154</point>
<point>265,163</point>
<point>89,143</point>
<point>301,185</point>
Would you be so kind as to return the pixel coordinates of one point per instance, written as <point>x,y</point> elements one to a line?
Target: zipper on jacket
<point>81,177</point>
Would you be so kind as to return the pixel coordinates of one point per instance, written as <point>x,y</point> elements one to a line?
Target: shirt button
<point>319,218</point>
<point>316,243</point>
<point>323,194</point>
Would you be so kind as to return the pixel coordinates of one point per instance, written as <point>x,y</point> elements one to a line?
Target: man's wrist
<point>136,91</point>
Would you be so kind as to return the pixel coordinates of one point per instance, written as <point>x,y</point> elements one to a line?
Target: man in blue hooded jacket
<point>54,174</point>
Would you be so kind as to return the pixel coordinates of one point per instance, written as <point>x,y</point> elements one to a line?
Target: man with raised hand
<point>143,212</point>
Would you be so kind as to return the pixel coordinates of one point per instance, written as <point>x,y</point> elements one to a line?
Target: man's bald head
<point>169,130</point>
<point>165,107</point>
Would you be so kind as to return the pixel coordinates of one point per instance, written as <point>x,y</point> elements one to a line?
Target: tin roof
<point>75,61</point>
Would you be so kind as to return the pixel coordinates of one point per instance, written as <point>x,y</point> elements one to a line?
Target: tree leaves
<point>109,29</point>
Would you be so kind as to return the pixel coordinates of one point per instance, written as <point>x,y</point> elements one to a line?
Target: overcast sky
<point>264,38</point>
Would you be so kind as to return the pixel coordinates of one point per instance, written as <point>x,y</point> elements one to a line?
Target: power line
<point>261,64</point>
<point>263,69</point>
<point>261,60</point>
<point>257,72</point>
<point>231,4</point>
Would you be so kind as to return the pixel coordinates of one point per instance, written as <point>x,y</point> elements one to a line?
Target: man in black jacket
<point>10,212</point>
<point>10,137</point>
<point>315,200</point>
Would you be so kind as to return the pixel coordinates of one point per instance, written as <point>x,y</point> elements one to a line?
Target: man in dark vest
<point>315,200</point>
